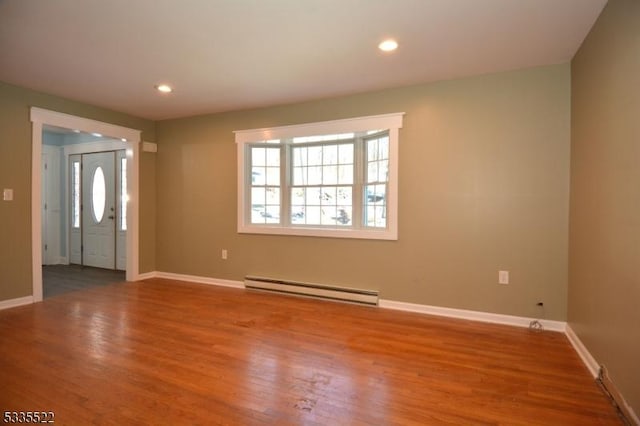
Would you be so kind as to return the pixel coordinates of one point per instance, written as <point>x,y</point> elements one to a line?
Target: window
<point>331,179</point>
<point>75,195</point>
<point>124,198</point>
<point>98,195</point>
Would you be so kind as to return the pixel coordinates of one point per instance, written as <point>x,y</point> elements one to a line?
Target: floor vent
<point>364,297</point>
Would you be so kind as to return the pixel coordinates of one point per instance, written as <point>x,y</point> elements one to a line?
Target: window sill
<point>382,234</point>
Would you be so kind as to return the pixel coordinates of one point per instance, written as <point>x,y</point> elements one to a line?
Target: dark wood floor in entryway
<point>61,279</point>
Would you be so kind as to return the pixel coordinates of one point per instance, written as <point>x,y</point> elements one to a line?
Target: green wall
<point>15,172</point>
<point>604,279</point>
<point>483,186</point>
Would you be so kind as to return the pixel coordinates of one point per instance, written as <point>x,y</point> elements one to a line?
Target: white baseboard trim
<point>146,275</point>
<point>582,351</point>
<point>471,315</point>
<point>193,279</point>
<point>12,303</point>
<point>594,369</point>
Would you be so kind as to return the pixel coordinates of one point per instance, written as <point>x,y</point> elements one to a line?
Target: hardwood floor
<point>165,352</point>
<point>60,279</point>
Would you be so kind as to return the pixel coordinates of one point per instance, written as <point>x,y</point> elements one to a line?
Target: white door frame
<point>79,149</point>
<point>131,137</point>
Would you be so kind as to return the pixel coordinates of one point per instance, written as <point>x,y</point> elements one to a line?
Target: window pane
<point>383,148</point>
<point>314,175</point>
<point>272,214</point>
<point>98,194</point>
<point>330,154</point>
<point>75,200</point>
<point>328,216</point>
<point>329,175</point>
<point>345,175</point>
<point>124,198</point>
<point>345,154</point>
<point>383,171</point>
<point>344,215</point>
<point>297,196</point>
<point>258,156</point>
<point>297,215</point>
<point>312,215</point>
<point>328,196</point>
<point>257,197</point>
<point>299,156</point>
<point>299,175</point>
<point>376,206</point>
<point>345,196</point>
<point>372,172</point>
<point>315,155</point>
<point>273,196</point>
<point>372,150</point>
<point>258,175</point>
<point>273,176</point>
<point>273,157</point>
<point>313,196</point>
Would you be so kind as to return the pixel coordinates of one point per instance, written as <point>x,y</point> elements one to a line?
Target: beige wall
<point>15,172</point>
<point>484,178</point>
<point>604,279</point>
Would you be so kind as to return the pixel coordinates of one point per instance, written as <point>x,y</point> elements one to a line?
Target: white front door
<point>98,210</point>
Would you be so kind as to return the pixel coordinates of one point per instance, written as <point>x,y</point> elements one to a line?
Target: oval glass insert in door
<point>98,194</point>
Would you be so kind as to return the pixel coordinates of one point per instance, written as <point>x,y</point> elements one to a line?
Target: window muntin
<point>318,192</point>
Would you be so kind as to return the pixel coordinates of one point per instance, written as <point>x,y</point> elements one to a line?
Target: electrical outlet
<point>7,194</point>
<point>224,254</point>
<point>503,277</point>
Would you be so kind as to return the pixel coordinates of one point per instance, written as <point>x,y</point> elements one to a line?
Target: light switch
<point>503,277</point>
<point>7,194</point>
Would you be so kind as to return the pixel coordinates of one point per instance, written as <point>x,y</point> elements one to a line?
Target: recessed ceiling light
<point>388,45</point>
<point>164,88</point>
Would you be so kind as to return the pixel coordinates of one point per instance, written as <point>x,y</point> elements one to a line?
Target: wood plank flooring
<point>165,352</point>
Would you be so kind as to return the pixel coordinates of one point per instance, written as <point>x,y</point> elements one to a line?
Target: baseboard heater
<point>320,291</point>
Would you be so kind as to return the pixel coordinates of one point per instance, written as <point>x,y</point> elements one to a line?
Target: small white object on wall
<point>7,194</point>
<point>149,147</point>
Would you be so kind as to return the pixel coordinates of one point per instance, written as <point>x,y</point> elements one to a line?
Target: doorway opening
<point>84,202</point>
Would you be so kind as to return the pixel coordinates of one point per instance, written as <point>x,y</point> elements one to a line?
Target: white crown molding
<point>12,303</point>
<point>471,315</point>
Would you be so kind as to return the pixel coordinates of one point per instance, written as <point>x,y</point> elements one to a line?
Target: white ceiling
<point>223,55</point>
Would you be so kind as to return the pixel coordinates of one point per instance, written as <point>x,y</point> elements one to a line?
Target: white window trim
<point>393,122</point>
